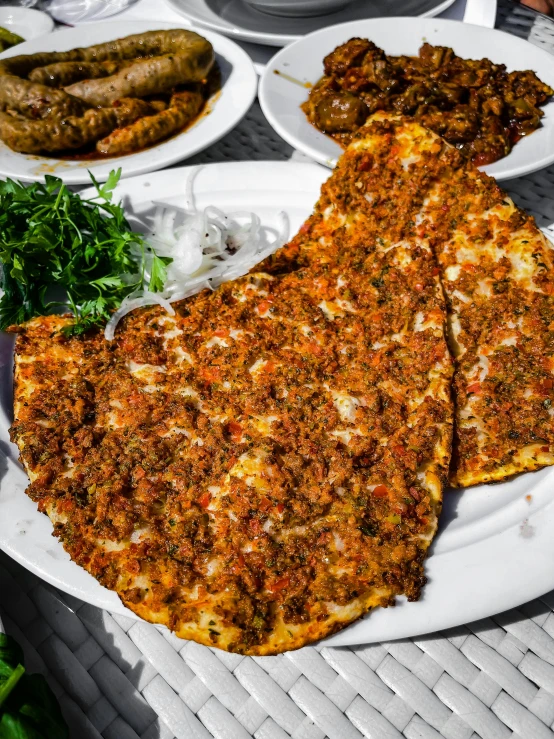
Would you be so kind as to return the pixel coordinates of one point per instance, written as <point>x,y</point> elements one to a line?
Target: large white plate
<point>280,98</point>
<point>26,22</point>
<point>236,19</point>
<point>495,549</point>
<point>226,108</point>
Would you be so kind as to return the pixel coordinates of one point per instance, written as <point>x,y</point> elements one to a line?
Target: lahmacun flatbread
<point>267,465</point>
<point>497,272</point>
<point>496,269</point>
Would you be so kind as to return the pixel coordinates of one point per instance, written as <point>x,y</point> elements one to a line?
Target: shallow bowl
<point>298,8</point>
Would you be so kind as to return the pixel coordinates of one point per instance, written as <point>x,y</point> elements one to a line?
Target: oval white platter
<point>26,22</point>
<point>495,549</point>
<point>281,98</point>
<point>238,20</point>
<point>225,109</point>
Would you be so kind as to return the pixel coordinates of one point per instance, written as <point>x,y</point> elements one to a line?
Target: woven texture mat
<point>123,679</point>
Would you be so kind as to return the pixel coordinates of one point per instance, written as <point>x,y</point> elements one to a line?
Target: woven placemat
<point>118,678</point>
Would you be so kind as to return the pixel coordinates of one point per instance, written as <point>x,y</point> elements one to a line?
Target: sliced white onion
<point>135,300</point>
<point>207,248</point>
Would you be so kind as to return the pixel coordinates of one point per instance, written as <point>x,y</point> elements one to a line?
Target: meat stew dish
<point>477,106</point>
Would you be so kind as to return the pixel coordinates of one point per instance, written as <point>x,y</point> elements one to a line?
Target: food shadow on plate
<point>225,69</point>
<point>80,627</point>
<point>450,502</point>
<point>7,449</point>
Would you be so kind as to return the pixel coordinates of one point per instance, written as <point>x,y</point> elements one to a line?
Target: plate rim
<point>40,17</point>
<point>535,514</point>
<point>276,40</point>
<point>316,154</point>
<point>247,87</point>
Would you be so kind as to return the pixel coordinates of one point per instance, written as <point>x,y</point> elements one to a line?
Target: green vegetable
<point>28,708</point>
<point>52,238</point>
<point>394,518</point>
<point>9,38</point>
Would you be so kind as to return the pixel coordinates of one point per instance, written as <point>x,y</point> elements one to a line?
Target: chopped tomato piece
<point>399,449</point>
<point>264,306</point>
<point>380,491</point>
<point>265,503</point>
<point>545,448</point>
<point>436,271</point>
<point>254,524</point>
<point>133,566</point>
<point>211,374</point>
<point>280,507</point>
<point>474,387</point>
<point>204,500</point>
<point>220,333</point>
<point>279,584</point>
<point>313,348</point>
<point>548,384</point>
<point>235,430</point>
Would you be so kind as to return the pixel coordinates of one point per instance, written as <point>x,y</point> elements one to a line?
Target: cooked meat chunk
<point>147,131</point>
<point>340,111</point>
<point>144,77</point>
<point>56,134</point>
<point>61,74</point>
<point>36,101</point>
<point>346,56</point>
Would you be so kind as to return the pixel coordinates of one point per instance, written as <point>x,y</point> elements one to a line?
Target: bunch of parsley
<point>51,238</point>
<point>28,708</point>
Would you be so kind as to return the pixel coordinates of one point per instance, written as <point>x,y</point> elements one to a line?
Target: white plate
<point>495,549</point>
<point>480,12</point>
<point>280,99</point>
<point>236,19</point>
<point>227,108</point>
<point>26,22</point>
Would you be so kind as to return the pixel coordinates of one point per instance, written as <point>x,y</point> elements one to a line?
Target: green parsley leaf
<point>158,273</point>
<point>58,250</point>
